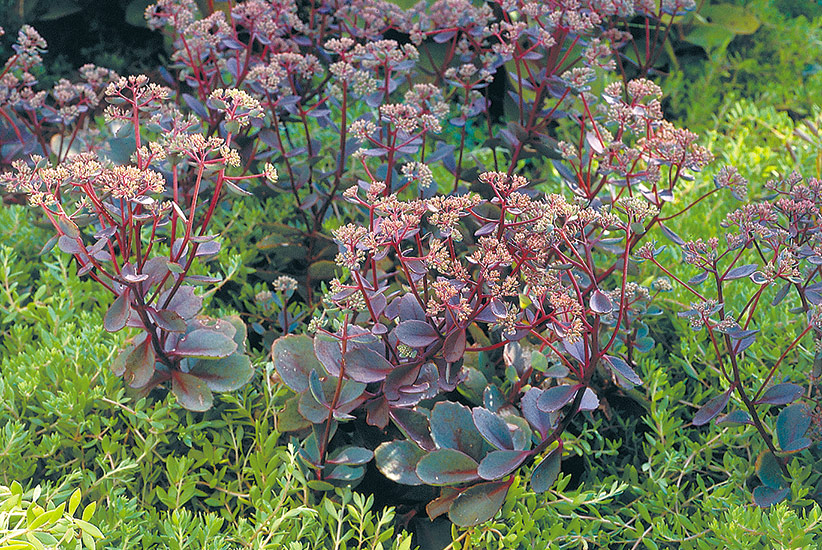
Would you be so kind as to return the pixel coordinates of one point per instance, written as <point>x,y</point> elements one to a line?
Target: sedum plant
<point>139,228</point>
<point>770,257</point>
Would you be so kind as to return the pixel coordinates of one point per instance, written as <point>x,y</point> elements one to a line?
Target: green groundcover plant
<point>489,257</point>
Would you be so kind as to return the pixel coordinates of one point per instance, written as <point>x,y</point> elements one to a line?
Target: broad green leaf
<point>493,428</point>
<point>479,503</point>
<point>192,393</point>
<point>791,424</point>
<point>397,460</point>
<point>294,358</point>
<point>446,467</point>
<point>452,427</point>
<point>139,364</point>
<point>226,374</point>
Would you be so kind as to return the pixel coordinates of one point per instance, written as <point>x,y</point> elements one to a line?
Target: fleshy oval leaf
<point>397,460</point>
<point>446,467</point>
<point>712,408</point>
<point>479,503</point>
<point>417,334</point>
<point>781,394</point>
<point>192,393</point>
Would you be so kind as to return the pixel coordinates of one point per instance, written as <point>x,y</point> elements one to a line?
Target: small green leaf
<point>88,511</point>
<point>74,502</point>
<point>89,528</point>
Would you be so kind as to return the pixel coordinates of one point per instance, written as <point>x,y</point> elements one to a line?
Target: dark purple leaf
<point>329,353</point>
<point>366,365</point>
<point>497,464</point>
<point>397,460</point>
<point>575,349</point>
<point>343,472</point>
<point>743,344</point>
<point>540,420</point>
<point>446,467</point>
<point>478,503</point>
<point>169,320</point>
<point>698,279</point>
<point>600,303</point>
<point>798,445</point>
<point>205,344</point>
<point>195,105</point>
<point>740,272</point>
<point>454,346</point>
<point>623,369</point>
<point>493,428</point>
<point>671,235</point>
<point>769,470</point>
<point>376,413</point>
<point>409,308</point>
<point>415,425</point>
<point>139,364</point>
<point>185,303</point>
<point>735,418</point>
<point>209,248</point>
<point>117,314</point>
<point>351,456</point>
<point>590,401</point>
<point>417,334</point>
<point>709,410</point>
<point>68,227</point>
<point>781,294</point>
<point>69,245</point>
<point>556,397</point>
<point>781,394</point>
<point>293,357</point>
<point>546,472</point>
<point>760,278</point>
<point>315,385</point>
